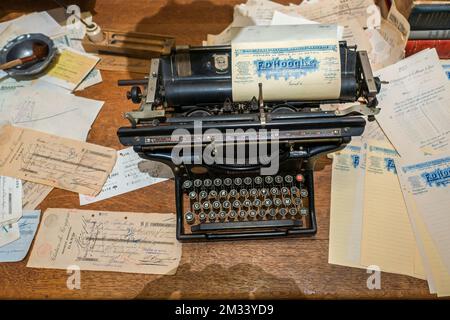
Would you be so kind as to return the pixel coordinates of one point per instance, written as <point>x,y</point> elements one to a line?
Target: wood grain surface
<point>284,268</point>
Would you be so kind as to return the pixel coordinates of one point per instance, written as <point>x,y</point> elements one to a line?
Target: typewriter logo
<point>221,62</point>
<point>286,68</point>
<point>355,160</point>
<point>390,165</point>
<point>438,177</point>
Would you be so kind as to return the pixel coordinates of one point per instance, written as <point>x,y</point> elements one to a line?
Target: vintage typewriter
<point>236,200</point>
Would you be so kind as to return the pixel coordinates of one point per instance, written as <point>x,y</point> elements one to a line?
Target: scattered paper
<point>18,249</point>
<point>34,194</point>
<point>55,161</point>
<point>107,241</point>
<point>9,233</point>
<point>10,200</point>
<point>446,66</point>
<point>124,177</point>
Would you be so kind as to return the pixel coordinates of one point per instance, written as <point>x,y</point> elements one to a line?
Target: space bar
<point>246,224</point>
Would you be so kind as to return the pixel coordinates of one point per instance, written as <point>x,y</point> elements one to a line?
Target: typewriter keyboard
<point>245,202</point>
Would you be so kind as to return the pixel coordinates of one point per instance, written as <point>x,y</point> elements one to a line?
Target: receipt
<point>9,233</point>
<point>107,241</point>
<point>51,160</point>
<point>10,200</point>
<point>124,177</point>
<point>34,194</point>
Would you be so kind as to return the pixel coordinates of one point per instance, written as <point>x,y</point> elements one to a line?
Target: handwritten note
<point>34,194</point>
<point>107,241</point>
<point>51,160</point>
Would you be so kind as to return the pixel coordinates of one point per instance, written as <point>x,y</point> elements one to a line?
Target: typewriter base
<point>248,229</point>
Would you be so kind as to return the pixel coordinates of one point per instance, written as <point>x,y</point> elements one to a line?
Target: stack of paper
<point>391,189</point>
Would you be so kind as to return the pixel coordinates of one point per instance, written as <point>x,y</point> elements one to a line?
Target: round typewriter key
<point>207,183</point>
<point>222,215</point>
<point>300,178</point>
<point>216,205</point>
<point>253,192</point>
<point>268,179</point>
<point>187,184</point>
<point>228,182</point>
<point>303,211</point>
<point>233,193</point>
<point>304,193</point>
<point>212,216</point>
<point>197,206</point>
<point>294,190</point>
<point>243,192</point>
<point>236,204</point>
<point>264,192</point>
<point>288,179</point>
<point>274,191</point>
<point>267,203</point>
<point>217,182</point>
<point>261,213</point>
<point>206,205</point>
<point>248,181</point>
<point>258,180</point>
<point>277,202</point>
<point>282,212</point>
<point>285,190</point>
<point>202,216</point>
<point>297,201</point>
<point>203,194</point>
<point>242,214</point>
<point>232,215</point>
<point>237,181</point>
<point>257,203</point>
<point>223,193</point>
<point>197,183</point>
<point>213,194</point>
<point>192,195</point>
<point>189,217</point>
<point>292,211</point>
<point>287,202</point>
<point>279,179</point>
<point>272,213</point>
<point>252,214</point>
<point>226,204</point>
<point>247,203</point>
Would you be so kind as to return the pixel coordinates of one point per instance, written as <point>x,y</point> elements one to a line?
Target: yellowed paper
<point>34,194</point>
<point>387,236</point>
<point>107,241</point>
<point>398,20</point>
<point>294,62</point>
<point>54,161</point>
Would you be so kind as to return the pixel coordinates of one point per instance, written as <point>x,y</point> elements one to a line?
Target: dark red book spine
<point>442,47</point>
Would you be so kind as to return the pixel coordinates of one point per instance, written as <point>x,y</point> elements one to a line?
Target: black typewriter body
<point>235,199</point>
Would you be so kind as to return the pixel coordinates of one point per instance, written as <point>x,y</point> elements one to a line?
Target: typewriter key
<point>207,183</point>
<point>297,201</point>
<point>237,181</point>
<point>243,192</point>
<point>197,206</point>
<point>261,213</point>
<point>253,192</point>
<point>264,192</point>
<point>248,181</point>
<point>216,205</point>
<point>303,211</point>
<point>274,191</point>
<point>282,212</point>
<point>277,202</point>
<point>192,195</point>
<point>268,179</point>
<point>228,182</point>
<point>287,202</point>
<point>279,179</point>
<point>258,180</point>
<point>247,203</point>
<point>292,211</point>
<point>236,204</point>
<point>226,204</point>
<point>222,215</point>
<point>233,193</point>
<point>203,194</point>
<point>304,193</point>
<point>232,215</point>
<point>242,214</point>
<point>294,190</point>
<point>212,216</point>
<point>202,217</point>
<point>189,217</point>
<point>223,193</point>
<point>272,213</point>
<point>206,205</point>
<point>256,203</point>
<point>267,203</point>
<point>187,184</point>
<point>217,182</point>
<point>197,183</point>
<point>288,179</point>
<point>252,214</point>
<point>213,194</point>
<point>285,191</point>
<point>300,178</point>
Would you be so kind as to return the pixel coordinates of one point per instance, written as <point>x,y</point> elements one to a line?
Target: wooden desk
<point>286,268</point>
